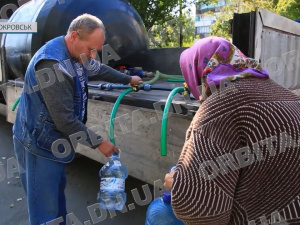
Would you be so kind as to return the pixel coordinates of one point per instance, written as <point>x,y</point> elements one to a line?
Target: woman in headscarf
<point>240,161</point>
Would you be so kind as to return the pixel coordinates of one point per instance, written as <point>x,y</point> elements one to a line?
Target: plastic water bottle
<point>160,211</point>
<point>112,194</point>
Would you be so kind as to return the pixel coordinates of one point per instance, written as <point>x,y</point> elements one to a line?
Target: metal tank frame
<point>125,30</point>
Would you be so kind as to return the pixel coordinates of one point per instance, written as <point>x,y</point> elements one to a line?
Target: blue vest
<point>33,125</point>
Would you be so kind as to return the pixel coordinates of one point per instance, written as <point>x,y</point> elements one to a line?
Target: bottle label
<point>117,163</point>
<point>112,184</point>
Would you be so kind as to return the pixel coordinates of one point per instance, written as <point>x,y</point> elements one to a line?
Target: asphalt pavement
<point>81,191</point>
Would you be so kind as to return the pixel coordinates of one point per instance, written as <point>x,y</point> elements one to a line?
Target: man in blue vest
<point>53,107</point>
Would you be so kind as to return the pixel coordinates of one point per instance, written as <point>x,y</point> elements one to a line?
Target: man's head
<point>86,35</point>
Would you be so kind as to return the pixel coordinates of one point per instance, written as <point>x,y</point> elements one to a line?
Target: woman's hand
<point>169,179</point>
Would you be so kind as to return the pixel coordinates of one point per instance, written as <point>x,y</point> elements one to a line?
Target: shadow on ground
<point>81,191</point>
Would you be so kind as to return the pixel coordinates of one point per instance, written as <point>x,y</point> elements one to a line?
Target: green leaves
<point>154,11</point>
<point>168,33</point>
<point>287,8</point>
<point>161,18</point>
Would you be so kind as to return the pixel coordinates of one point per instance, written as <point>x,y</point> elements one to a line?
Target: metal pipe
<point>144,87</point>
<point>109,86</point>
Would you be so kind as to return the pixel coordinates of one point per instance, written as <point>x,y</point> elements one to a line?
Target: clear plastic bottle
<point>112,184</point>
<point>160,211</point>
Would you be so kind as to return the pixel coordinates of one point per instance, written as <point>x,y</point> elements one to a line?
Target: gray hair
<point>86,24</point>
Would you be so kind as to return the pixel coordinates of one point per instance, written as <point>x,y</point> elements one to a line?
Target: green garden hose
<point>164,118</point>
<point>164,124</point>
<point>167,76</point>
<point>115,109</point>
<point>154,79</point>
<point>176,80</point>
<point>15,104</point>
<point>114,113</point>
<point>159,75</point>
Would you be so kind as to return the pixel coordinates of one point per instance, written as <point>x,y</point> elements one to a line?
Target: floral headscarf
<point>215,59</point>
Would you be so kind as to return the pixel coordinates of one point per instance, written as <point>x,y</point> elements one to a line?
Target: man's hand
<point>169,179</point>
<point>135,80</point>
<point>107,148</point>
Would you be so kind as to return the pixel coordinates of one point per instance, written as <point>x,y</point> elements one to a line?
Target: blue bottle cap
<point>167,197</point>
<point>115,154</point>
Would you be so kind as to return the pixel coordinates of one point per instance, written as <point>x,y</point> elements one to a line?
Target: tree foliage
<point>162,21</point>
<point>287,8</point>
<point>157,12</point>
<point>154,11</point>
<point>167,34</point>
